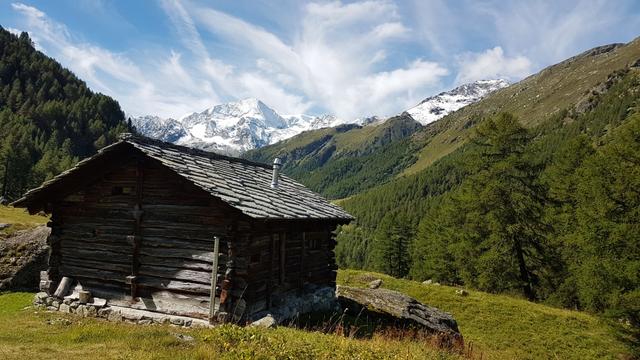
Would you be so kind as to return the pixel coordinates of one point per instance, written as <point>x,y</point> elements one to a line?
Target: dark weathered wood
<point>214,280</point>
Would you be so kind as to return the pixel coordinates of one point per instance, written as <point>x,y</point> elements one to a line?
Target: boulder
<point>396,308</point>
<point>375,284</point>
<point>267,322</point>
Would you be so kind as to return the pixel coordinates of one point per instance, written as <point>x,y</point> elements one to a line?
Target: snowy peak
<point>247,124</point>
<point>438,106</point>
<point>164,129</point>
<point>232,127</point>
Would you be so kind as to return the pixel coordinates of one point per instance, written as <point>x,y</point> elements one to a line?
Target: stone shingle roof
<point>243,184</point>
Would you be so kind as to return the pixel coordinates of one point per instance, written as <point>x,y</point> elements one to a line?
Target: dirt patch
<point>22,257</point>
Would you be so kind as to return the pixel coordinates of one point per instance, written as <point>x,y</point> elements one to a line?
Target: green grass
<point>503,327</point>
<point>19,220</point>
<point>27,333</point>
<point>496,326</point>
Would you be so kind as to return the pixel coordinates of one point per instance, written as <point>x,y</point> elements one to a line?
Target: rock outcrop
<point>22,257</point>
<point>397,309</point>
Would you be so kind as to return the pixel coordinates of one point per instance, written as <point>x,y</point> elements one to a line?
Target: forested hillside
<point>48,117</point>
<point>531,191</point>
<point>347,159</point>
<point>550,212</point>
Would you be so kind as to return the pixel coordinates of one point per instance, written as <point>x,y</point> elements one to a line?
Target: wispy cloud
<point>350,59</point>
<point>140,88</point>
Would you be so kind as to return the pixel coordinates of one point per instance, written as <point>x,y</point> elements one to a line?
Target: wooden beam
<point>214,279</point>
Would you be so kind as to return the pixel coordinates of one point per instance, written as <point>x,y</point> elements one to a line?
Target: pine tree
<point>391,246</point>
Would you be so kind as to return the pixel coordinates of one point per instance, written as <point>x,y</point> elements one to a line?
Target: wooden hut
<point>151,225</point>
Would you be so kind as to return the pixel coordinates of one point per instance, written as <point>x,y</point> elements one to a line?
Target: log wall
<point>163,261</point>
<point>142,236</point>
<point>287,256</point>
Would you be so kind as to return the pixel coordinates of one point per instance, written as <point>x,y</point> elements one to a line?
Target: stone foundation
<point>98,308</point>
<point>289,306</point>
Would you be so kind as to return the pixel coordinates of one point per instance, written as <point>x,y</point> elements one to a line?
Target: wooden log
<point>174,285</point>
<point>200,277</point>
<point>63,287</point>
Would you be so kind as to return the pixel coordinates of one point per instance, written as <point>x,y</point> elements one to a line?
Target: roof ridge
<point>128,137</point>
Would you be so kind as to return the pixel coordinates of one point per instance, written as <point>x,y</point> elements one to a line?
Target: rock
<point>267,322</point>
<point>184,337</point>
<point>89,311</point>
<point>80,310</point>
<point>41,297</point>
<point>4,226</point>
<point>397,308</point>
<point>65,308</point>
<point>462,292</point>
<point>84,296</point>
<point>98,302</point>
<point>114,316</point>
<point>145,322</point>
<point>176,321</point>
<point>104,312</point>
<point>428,282</point>
<point>375,284</point>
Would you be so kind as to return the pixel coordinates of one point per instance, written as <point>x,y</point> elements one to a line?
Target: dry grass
<point>19,219</point>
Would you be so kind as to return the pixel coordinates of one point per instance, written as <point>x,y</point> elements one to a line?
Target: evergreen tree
<point>607,238</point>
<point>391,246</point>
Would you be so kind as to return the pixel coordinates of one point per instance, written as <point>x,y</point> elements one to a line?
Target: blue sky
<point>352,59</point>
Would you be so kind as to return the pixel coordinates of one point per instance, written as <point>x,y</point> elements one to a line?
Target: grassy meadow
<point>18,219</point>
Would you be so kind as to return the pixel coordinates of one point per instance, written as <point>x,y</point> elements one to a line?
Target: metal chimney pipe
<point>276,172</point>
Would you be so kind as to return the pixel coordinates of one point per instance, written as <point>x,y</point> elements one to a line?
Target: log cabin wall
<point>165,258</point>
<point>285,256</point>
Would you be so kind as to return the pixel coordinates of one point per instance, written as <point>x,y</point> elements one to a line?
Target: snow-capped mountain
<point>435,107</point>
<point>164,129</point>
<point>247,124</point>
<point>233,127</point>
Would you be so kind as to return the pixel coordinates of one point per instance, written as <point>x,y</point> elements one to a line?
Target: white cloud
<point>348,58</point>
<point>492,64</point>
<point>157,87</point>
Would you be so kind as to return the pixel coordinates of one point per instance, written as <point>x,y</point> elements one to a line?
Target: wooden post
<point>63,288</point>
<point>214,278</point>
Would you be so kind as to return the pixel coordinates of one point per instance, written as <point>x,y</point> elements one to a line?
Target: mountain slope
<point>344,161</point>
<point>438,106</point>
<point>48,117</point>
<point>347,159</point>
<point>534,99</point>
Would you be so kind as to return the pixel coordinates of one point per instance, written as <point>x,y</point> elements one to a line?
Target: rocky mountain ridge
<point>247,124</point>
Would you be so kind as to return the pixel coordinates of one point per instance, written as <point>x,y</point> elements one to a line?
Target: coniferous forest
<point>550,213</point>
<point>49,119</point>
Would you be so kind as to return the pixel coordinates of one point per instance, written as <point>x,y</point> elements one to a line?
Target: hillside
<point>50,117</point>
<point>346,159</point>
<point>534,100</point>
<point>495,327</point>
